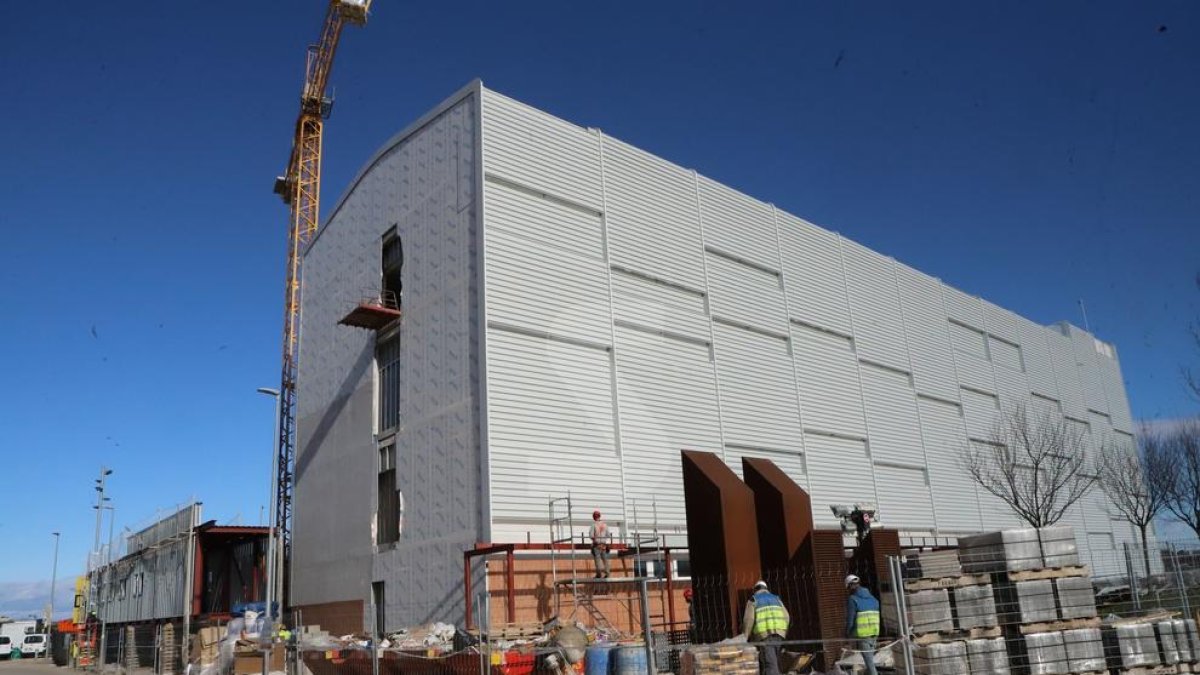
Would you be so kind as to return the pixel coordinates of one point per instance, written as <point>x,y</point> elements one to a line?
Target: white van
<point>33,645</point>
<point>5,647</point>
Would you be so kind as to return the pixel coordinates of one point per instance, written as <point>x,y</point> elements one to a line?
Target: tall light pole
<point>273,567</point>
<point>105,472</point>
<point>53,581</point>
<point>112,516</point>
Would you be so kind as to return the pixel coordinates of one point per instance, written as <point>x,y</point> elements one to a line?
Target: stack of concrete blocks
<point>1131,646</point>
<point>1076,597</point>
<point>1177,641</point>
<point>929,611</point>
<point>1025,602</point>
<point>1045,654</point>
<point>932,564</point>
<point>975,607</point>
<point>1085,650</point>
<point>939,658</point>
<point>1019,549</point>
<point>987,657</point>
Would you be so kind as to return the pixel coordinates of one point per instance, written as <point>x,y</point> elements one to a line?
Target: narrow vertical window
<point>388,515</point>
<point>387,356</point>
<point>392,265</point>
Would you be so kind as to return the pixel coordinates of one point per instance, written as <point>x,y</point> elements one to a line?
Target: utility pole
<point>274,569</point>
<point>53,581</point>
<point>105,472</point>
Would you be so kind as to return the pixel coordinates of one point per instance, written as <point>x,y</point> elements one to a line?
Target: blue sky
<point>1031,153</point>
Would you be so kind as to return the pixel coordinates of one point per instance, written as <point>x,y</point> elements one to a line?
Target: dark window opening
<point>387,356</point>
<point>380,601</point>
<point>393,263</point>
<point>388,516</point>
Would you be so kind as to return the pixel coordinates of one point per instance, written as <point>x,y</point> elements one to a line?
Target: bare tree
<point>1037,465</point>
<point>1183,449</point>
<point>1139,483</point>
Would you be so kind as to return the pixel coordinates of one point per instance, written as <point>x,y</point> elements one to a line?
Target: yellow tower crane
<point>300,188</point>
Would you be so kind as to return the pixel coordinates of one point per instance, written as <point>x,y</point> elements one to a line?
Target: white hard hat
<point>851,579</point>
<point>760,584</point>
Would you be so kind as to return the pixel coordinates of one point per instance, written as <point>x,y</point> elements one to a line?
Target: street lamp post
<point>273,568</point>
<point>112,517</point>
<point>53,581</point>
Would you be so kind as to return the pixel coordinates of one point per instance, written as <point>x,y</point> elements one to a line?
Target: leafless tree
<point>1138,482</point>
<point>1183,449</point>
<point>1037,465</point>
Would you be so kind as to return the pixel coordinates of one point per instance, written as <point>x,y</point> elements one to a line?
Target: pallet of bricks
<point>952,617</point>
<point>1153,645</point>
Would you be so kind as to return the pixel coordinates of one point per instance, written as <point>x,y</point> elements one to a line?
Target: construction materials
<point>1019,549</point>
<point>932,564</point>
<point>940,658</point>
<point>1076,597</point>
<point>1131,645</point>
<point>988,656</point>
<point>720,659</point>
<point>1085,650</point>
<point>1028,601</point>
<point>929,611</point>
<point>1045,653</point>
<point>974,607</point>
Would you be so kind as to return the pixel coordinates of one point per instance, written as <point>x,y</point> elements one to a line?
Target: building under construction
<point>505,308</point>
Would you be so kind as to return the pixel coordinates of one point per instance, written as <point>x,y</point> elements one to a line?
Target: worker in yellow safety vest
<point>766,621</point>
<point>862,621</point>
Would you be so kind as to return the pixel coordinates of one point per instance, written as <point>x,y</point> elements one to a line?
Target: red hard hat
<point>595,514</point>
<point>687,594</point>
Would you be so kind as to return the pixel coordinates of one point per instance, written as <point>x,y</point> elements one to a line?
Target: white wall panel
<point>538,285</point>
<point>837,472</point>
<point>927,335</point>
<point>759,406</point>
<point>1005,354</point>
<point>1012,387</point>
<point>746,294</point>
<point>653,304</point>
<point>1114,387</point>
<point>668,400</point>
<point>540,151</point>
<point>1035,350</point>
<point>1041,408</point>
<point>812,266</point>
<point>1001,322</point>
<point>970,355</point>
<point>827,372</point>
<point>953,492</point>
<point>790,463</point>
<point>550,411</point>
<point>995,514</point>
<point>904,500</point>
<point>875,306</point>
<point>737,224</point>
<point>891,407</point>
<point>653,223</point>
<point>1087,361</point>
<point>980,412</point>
<point>963,308</point>
<point>1066,372</point>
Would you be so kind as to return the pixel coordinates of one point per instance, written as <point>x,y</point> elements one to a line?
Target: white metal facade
<point>634,308</point>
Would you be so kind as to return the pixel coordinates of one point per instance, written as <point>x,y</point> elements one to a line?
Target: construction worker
<point>862,621</point>
<point>687,597</point>
<point>766,621</point>
<point>600,539</point>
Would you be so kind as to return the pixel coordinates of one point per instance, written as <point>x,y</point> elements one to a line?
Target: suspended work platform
<point>373,312</point>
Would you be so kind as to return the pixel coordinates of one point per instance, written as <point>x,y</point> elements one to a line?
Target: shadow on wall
<point>345,391</point>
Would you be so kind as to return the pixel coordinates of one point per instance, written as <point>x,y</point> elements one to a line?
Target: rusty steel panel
<point>722,542</point>
<point>826,620</point>
<point>783,510</point>
<point>869,560</point>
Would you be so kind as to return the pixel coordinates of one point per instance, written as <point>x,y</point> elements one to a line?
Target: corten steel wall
<point>423,182</point>
<point>722,543</point>
<point>635,308</point>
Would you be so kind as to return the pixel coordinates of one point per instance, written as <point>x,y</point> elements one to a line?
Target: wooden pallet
<point>1153,617</point>
<point>929,584</point>
<point>515,631</point>
<point>957,634</point>
<point>1050,573</point>
<point>1149,670</point>
<point>1064,624</point>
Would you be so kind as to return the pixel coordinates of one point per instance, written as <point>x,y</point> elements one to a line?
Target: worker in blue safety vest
<point>862,621</point>
<point>766,621</point>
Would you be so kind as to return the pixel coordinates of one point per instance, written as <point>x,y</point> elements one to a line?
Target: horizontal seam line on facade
<point>899,465</point>
<point>492,177</point>
<point>884,366</point>
<point>733,257</point>
<point>821,329</point>
<point>834,434</point>
<point>939,399</point>
<point>623,323</point>
<point>530,332</point>
<point>618,267</point>
<point>734,323</point>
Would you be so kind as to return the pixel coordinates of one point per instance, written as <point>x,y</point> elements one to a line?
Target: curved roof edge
<point>474,87</point>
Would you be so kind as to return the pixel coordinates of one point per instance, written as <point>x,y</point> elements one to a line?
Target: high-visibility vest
<point>866,623</point>
<point>770,618</point>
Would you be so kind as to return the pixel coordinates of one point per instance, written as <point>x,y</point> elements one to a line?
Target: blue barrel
<point>629,661</point>
<point>595,660</point>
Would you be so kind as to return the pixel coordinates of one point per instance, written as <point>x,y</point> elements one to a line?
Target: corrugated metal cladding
<point>635,308</point>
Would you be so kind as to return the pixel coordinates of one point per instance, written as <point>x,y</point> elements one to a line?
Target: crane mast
<point>300,188</point>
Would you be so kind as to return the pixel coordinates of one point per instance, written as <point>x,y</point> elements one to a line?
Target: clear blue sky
<point>1031,153</point>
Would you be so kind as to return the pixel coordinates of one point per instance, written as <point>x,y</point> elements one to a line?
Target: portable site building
<point>576,311</point>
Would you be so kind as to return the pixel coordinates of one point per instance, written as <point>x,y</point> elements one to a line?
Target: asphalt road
<point>31,667</point>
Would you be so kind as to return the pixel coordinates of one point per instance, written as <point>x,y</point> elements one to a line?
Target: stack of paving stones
<point>720,659</point>
<point>1152,647</point>
<point>952,617</point>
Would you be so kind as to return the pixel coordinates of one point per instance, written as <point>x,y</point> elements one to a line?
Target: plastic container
<point>596,659</point>
<point>630,660</point>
